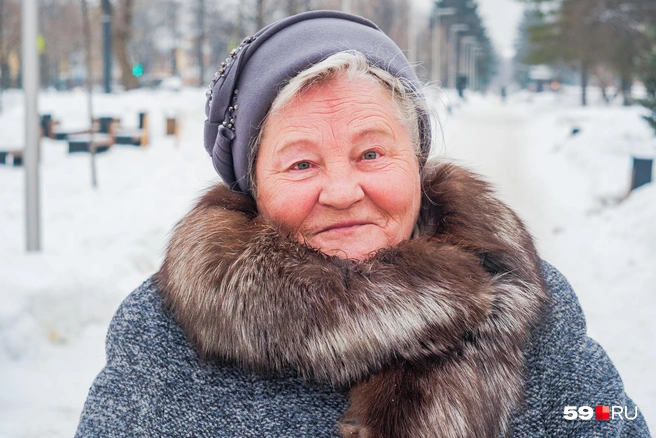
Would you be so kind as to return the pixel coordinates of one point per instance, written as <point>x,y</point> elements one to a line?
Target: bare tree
<point>61,27</point>
<point>175,36</point>
<point>200,43</point>
<point>292,7</point>
<point>121,36</point>
<point>260,14</point>
<point>2,50</point>
<point>389,15</point>
<point>10,38</point>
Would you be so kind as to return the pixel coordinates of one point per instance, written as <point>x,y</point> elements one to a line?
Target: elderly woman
<point>337,283</point>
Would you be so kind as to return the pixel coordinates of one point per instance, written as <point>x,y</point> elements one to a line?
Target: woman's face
<point>337,170</point>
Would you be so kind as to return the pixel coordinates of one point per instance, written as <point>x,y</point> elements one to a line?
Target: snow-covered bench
<point>13,157</point>
<point>134,137</point>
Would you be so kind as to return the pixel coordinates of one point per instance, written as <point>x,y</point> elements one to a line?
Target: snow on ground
<point>99,244</point>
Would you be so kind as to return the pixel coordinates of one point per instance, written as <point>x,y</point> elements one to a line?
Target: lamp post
<point>453,52</point>
<point>30,72</point>
<point>469,43</point>
<point>412,37</point>
<point>436,67</point>
<point>473,51</point>
<point>477,54</point>
<point>346,6</point>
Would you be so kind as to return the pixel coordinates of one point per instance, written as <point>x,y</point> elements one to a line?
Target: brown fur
<point>429,334</point>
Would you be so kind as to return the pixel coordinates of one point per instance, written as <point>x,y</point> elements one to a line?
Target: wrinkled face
<point>336,170</point>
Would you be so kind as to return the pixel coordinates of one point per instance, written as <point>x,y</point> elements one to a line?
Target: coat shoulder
<point>154,384</point>
<point>565,367</point>
<point>141,331</point>
<point>565,308</point>
<point>127,396</point>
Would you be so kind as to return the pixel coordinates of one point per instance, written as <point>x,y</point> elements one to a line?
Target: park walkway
<point>494,140</point>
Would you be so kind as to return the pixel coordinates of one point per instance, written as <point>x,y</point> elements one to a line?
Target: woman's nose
<point>341,187</point>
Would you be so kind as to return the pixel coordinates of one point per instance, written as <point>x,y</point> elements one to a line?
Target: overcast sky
<point>500,17</point>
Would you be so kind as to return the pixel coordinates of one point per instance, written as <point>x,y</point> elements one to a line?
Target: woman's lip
<point>343,226</point>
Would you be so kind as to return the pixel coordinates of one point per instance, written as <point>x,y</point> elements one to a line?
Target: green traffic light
<point>137,70</point>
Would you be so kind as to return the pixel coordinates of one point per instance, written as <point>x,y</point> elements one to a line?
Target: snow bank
<point>98,245</point>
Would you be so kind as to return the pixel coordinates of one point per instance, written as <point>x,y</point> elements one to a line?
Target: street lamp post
<point>466,64</point>
<point>472,64</point>
<point>412,37</point>
<point>30,73</point>
<point>477,55</point>
<point>462,57</point>
<point>453,52</point>
<point>346,6</point>
<point>436,67</point>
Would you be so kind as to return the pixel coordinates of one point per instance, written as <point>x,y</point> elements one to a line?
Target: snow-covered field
<point>99,244</point>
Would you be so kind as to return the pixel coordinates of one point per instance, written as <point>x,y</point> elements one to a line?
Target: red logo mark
<point>602,412</point>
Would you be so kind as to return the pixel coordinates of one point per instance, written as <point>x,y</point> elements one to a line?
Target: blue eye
<point>371,155</point>
<point>302,165</point>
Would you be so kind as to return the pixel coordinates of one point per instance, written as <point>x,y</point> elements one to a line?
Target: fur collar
<point>428,335</point>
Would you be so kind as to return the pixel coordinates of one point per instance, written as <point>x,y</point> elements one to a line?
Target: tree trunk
<point>173,22</point>
<point>3,73</point>
<point>292,7</point>
<point>604,93</point>
<point>122,33</point>
<point>584,83</point>
<point>86,26</point>
<point>626,83</point>
<point>200,44</point>
<point>260,14</point>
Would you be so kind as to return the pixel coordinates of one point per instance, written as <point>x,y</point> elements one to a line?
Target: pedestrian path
<point>493,140</point>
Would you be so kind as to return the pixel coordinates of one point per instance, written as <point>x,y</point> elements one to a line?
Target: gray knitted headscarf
<point>248,81</point>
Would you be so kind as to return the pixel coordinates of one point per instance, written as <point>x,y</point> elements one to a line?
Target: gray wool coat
<point>154,385</point>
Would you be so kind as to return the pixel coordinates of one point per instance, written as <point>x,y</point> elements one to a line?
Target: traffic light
<point>137,70</point>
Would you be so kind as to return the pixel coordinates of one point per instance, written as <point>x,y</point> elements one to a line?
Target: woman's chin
<point>348,250</point>
<point>347,254</point>
<point>354,243</point>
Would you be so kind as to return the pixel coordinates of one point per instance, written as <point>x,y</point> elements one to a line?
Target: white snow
<point>99,244</point>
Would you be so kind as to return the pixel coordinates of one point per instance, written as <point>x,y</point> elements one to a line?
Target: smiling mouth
<point>344,226</point>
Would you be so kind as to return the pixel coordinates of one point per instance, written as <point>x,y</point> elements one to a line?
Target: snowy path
<point>491,139</point>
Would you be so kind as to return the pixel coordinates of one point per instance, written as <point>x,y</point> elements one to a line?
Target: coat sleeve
<point>566,368</point>
<point>127,394</point>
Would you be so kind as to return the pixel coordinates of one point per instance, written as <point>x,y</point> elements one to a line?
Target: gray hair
<point>350,64</point>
